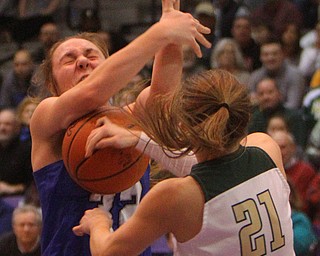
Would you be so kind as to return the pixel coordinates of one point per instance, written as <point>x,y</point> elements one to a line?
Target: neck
<point>205,156</point>
<point>28,247</point>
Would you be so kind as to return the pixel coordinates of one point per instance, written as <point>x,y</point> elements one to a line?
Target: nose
<point>82,62</point>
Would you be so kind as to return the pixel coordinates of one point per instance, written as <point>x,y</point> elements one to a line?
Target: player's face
<point>73,61</point>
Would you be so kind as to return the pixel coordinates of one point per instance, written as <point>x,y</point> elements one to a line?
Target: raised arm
<point>167,67</point>
<point>174,28</point>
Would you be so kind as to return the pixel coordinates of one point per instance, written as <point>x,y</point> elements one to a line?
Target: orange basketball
<point>108,170</point>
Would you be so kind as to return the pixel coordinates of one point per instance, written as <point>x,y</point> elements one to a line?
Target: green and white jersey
<point>247,210</point>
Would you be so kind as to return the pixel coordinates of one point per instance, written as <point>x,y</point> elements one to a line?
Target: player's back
<point>247,210</point>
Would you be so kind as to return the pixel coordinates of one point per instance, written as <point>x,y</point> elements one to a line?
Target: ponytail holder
<point>223,105</point>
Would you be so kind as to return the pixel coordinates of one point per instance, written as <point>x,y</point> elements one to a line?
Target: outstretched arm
<point>108,134</point>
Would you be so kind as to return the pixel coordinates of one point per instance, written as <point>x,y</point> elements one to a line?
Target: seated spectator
<point>290,81</point>
<point>49,34</point>
<point>15,156</point>
<point>261,32</point>
<point>205,12</point>
<point>270,103</point>
<point>227,55</point>
<point>227,12</point>
<point>24,112</point>
<point>277,14</point>
<point>25,238</point>
<point>242,33</point>
<point>304,237</point>
<point>17,82</point>
<point>5,217</point>
<point>277,122</point>
<point>290,38</point>
<point>298,171</point>
<point>190,64</point>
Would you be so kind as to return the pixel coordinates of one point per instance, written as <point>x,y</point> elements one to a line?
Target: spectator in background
<point>277,13</point>
<point>277,122</point>
<point>290,39</point>
<point>205,12</point>
<point>298,171</point>
<point>227,12</point>
<point>304,237</point>
<point>228,56</point>
<point>261,32</point>
<point>49,34</point>
<point>15,156</point>
<point>25,238</point>
<point>24,112</point>
<point>289,79</point>
<point>269,103</point>
<point>17,82</point>
<point>190,64</point>
<point>242,33</point>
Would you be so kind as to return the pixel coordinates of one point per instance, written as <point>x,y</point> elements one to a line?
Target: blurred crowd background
<point>271,46</point>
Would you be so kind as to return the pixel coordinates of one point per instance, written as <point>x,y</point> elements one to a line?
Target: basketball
<point>109,170</point>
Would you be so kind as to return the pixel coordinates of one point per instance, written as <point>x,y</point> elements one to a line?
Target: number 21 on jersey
<point>249,212</point>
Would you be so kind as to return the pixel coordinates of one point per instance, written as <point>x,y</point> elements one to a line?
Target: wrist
<point>142,142</point>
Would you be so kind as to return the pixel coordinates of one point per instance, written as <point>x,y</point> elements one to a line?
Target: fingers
<point>167,5</point>
<point>176,5</point>
<point>77,231</point>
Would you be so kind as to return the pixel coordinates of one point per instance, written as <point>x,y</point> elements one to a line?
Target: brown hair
<point>44,76</point>
<point>208,112</point>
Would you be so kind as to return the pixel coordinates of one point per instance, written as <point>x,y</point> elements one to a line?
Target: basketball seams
<point>124,170</point>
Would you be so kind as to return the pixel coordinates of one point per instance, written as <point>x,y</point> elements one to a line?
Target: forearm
<point>178,166</point>
<point>167,69</point>
<point>117,71</point>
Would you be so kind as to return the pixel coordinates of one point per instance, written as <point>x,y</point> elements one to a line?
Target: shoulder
<point>267,144</point>
<point>40,111</point>
<point>174,195</point>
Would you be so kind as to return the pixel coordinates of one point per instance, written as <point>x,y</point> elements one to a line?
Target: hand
<point>91,219</point>
<point>169,5</point>
<point>183,27</point>
<point>108,134</point>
